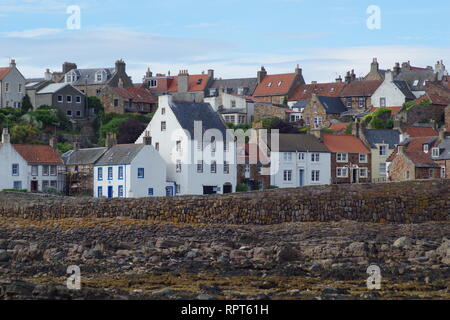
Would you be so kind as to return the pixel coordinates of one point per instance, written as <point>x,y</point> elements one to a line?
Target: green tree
<point>26,104</point>
<point>24,134</point>
<point>96,104</point>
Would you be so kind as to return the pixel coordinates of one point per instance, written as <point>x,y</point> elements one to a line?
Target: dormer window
<point>71,77</point>
<point>213,92</point>
<point>269,84</point>
<point>280,83</point>
<point>435,152</point>
<point>199,81</point>
<point>426,148</point>
<point>153,83</point>
<point>99,76</point>
<point>416,83</point>
<point>332,89</point>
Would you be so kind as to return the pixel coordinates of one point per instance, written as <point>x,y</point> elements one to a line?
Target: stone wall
<point>266,111</point>
<point>405,202</point>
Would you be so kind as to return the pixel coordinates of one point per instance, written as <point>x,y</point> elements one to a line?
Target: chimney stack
<point>67,66</point>
<point>339,79</point>
<point>183,81</point>
<point>120,66</point>
<point>211,74</point>
<point>6,138</point>
<point>76,145</point>
<point>147,138</point>
<point>397,69</point>
<point>261,74</point>
<point>374,67</point>
<point>47,75</point>
<point>12,63</point>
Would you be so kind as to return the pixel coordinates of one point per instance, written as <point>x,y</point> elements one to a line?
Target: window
<point>99,192</point>
<point>426,148</point>
<point>150,192</point>
<point>435,152</point>
<point>78,113</point>
<point>99,91</point>
<point>315,175</point>
<point>247,168</point>
<point>280,83</point>
<point>382,102</point>
<point>363,172</point>
<point>116,102</point>
<point>53,170</point>
<point>269,84</point>
<point>226,167</point>
<point>349,103</point>
<point>6,87</point>
<point>177,188</point>
<point>69,113</point>
<point>100,174</point>
<point>45,170</point>
<point>287,156</point>
<point>20,88</point>
<point>178,146</point>
<point>60,99</point>
<point>45,184</point>
<point>430,173</point>
<point>54,184</point>
<point>315,157</point>
<point>342,157</point>
<point>163,111</point>
<point>110,173</point>
<point>120,173</point>
<point>317,122</point>
<point>361,102</point>
<point>383,169</point>
<point>69,99</point>
<point>163,126</point>
<point>301,156</point>
<point>200,166</point>
<point>383,150</point>
<point>78,99</point>
<point>153,83</point>
<point>233,103</point>
<point>443,173</point>
<point>214,167</point>
<point>416,83</point>
<point>157,146</point>
<point>178,166</point>
<point>363,158</point>
<point>34,171</point>
<point>141,172</point>
<point>287,175</point>
<point>17,185</point>
<point>99,77</point>
<point>15,169</point>
<point>342,172</point>
<point>212,92</point>
<point>120,192</point>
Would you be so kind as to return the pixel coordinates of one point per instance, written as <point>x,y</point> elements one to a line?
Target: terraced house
<point>12,86</point>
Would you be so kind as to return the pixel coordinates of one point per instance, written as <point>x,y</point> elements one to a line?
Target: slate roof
<point>38,153</point>
<point>344,143</point>
<point>361,88</point>
<point>120,154</point>
<point>305,91</point>
<point>332,105</point>
<point>89,75</point>
<point>300,142</point>
<point>420,75</point>
<point>391,137</point>
<point>276,84</point>
<point>188,112</point>
<point>232,111</point>
<point>404,88</point>
<point>233,84</point>
<point>83,156</point>
<point>444,147</point>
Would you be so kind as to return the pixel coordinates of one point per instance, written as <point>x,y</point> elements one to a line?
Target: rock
<point>192,254</point>
<point>4,256</point>
<point>92,254</point>
<point>163,243</point>
<point>403,243</point>
<point>163,292</point>
<point>238,255</point>
<point>3,244</point>
<point>356,249</point>
<point>287,254</point>
<point>333,290</point>
<point>204,296</point>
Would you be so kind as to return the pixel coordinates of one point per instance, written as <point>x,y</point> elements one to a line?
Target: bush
<point>241,188</point>
<point>14,190</point>
<point>52,191</point>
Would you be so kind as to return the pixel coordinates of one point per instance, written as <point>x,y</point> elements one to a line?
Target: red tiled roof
<point>338,127</point>
<point>414,150</point>
<point>277,84</point>
<point>414,132</point>
<point>344,143</point>
<point>4,72</point>
<point>394,110</point>
<point>38,153</point>
<point>360,88</point>
<point>137,94</point>
<point>305,91</point>
<point>194,83</point>
<point>434,99</point>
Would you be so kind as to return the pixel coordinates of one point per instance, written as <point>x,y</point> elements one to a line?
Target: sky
<point>325,38</point>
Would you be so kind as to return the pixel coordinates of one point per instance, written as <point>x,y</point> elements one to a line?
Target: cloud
<point>32,33</point>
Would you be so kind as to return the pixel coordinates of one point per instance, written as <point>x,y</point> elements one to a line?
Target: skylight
<point>269,84</point>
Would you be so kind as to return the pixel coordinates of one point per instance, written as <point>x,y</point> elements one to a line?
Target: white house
<point>392,93</point>
<point>234,108</point>
<point>29,167</point>
<point>189,137</point>
<point>12,86</point>
<point>131,171</point>
<point>302,160</point>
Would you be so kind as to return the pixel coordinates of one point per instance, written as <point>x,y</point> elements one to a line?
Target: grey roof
<point>232,111</point>
<point>83,156</point>
<point>188,112</point>
<point>300,104</point>
<point>444,148</point>
<point>87,76</point>
<point>410,76</point>
<point>37,84</point>
<point>300,142</point>
<point>332,105</point>
<point>52,88</point>
<point>404,88</point>
<point>233,84</point>
<point>120,154</point>
<point>391,137</point>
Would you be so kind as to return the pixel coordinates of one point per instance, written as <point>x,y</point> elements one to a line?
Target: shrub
<point>51,190</point>
<point>241,188</point>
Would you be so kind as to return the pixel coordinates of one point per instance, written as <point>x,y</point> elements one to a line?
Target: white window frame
<point>315,175</point>
<point>341,172</point>
<point>342,157</point>
<point>287,176</point>
<point>435,152</point>
<point>366,175</point>
<point>382,147</point>
<point>315,157</point>
<point>364,158</point>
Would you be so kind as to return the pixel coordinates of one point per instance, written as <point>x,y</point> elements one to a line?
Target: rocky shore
<point>135,259</point>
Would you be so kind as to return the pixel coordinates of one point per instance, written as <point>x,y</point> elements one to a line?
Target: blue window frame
<point>100,174</point>
<point>120,192</point>
<point>141,173</point>
<point>110,173</point>
<point>100,192</point>
<point>15,169</point>
<point>120,173</point>
<point>150,192</point>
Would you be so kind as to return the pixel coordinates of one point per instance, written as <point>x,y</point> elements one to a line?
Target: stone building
<point>350,159</point>
<point>304,92</point>
<point>122,100</point>
<point>357,95</point>
<point>253,167</point>
<point>12,86</point>
<point>319,111</point>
